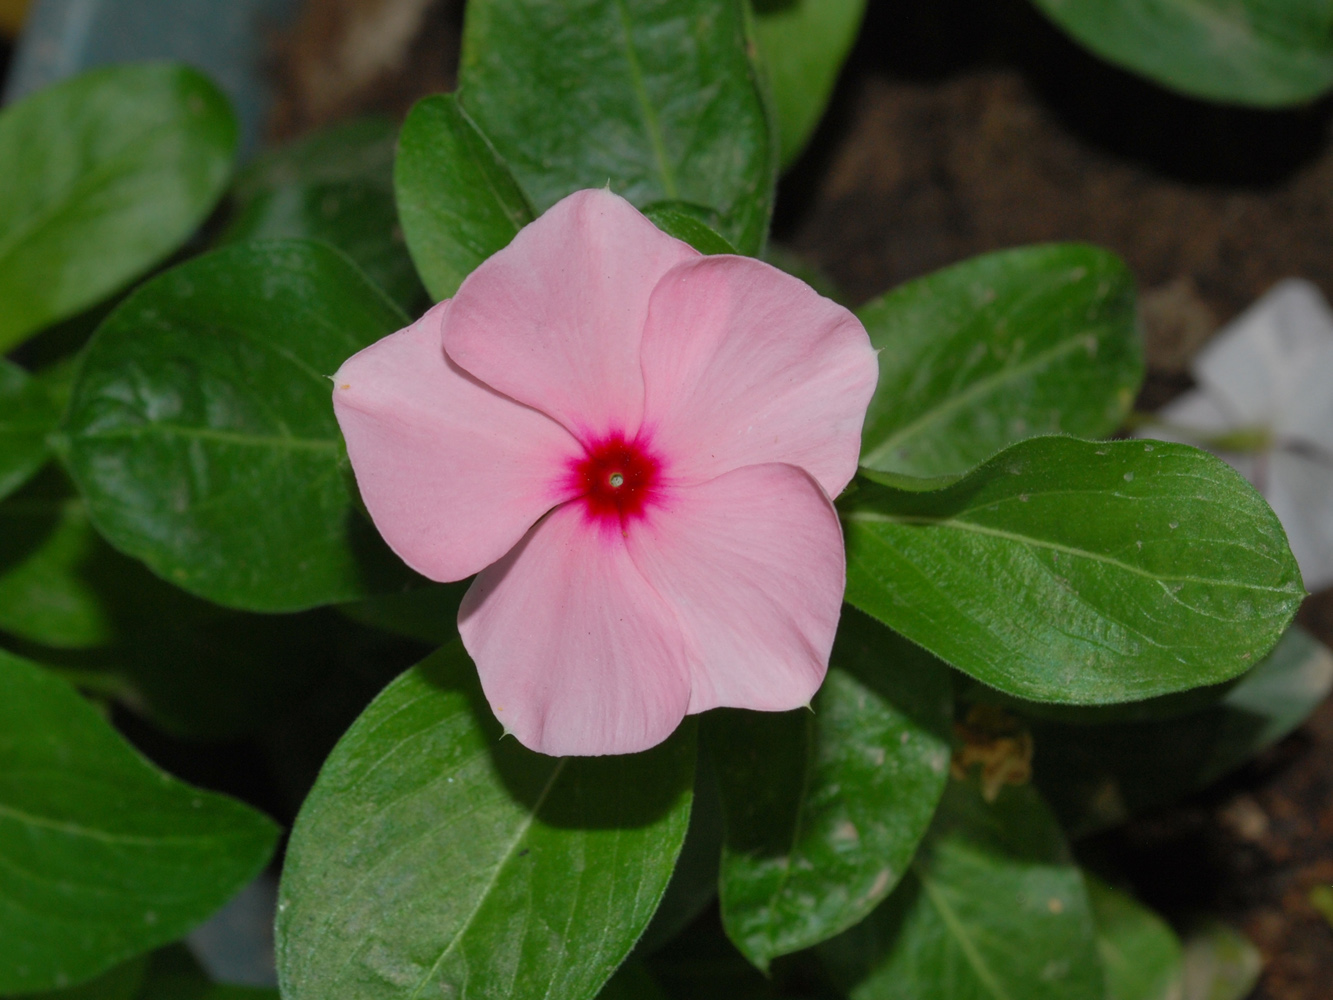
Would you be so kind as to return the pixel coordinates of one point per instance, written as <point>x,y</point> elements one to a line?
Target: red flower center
<point>616,479</point>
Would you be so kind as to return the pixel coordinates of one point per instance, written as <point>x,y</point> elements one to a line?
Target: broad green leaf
<point>456,197</point>
<point>201,433</point>
<point>993,909</point>
<point>825,808</point>
<point>1140,952</point>
<point>1267,53</point>
<point>1038,340</point>
<point>802,45</point>
<point>434,858</point>
<point>104,175</point>
<point>1097,776</point>
<point>198,670</point>
<point>660,100</point>
<point>46,546</point>
<point>121,983</point>
<point>1220,963</point>
<point>1079,572</point>
<point>335,185</point>
<point>102,856</point>
<point>28,412</point>
<point>673,220</point>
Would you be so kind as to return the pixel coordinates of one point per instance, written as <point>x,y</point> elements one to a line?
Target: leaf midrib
<point>651,126</point>
<point>961,936</point>
<point>958,524</point>
<point>77,830</point>
<point>978,388</point>
<point>482,896</point>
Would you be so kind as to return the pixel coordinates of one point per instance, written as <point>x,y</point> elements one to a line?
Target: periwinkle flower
<point>635,447</point>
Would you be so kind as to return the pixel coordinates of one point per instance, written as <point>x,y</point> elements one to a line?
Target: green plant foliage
<point>46,541</point>
<point>28,412</point>
<point>201,435</point>
<point>1098,776</point>
<point>458,202</point>
<point>802,46</point>
<point>659,100</point>
<point>1140,952</point>
<point>992,908</point>
<point>825,808</point>
<point>104,175</point>
<point>978,356</point>
<point>1079,572</point>
<point>676,220</point>
<point>102,856</point>
<point>124,982</point>
<point>1266,53</point>
<point>432,856</point>
<point>335,185</point>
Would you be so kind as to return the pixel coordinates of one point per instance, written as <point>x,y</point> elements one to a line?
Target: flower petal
<point>555,319</point>
<point>1298,489</point>
<point>754,566</point>
<point>577,654</point>
<point>453,473</point>
<point>744,364</point>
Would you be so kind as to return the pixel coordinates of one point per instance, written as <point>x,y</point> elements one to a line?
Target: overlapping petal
<point>556,318</point>
<point>744,364</point>
<point>453,473</point>
<point>753,565</point>
<point>577,654</point>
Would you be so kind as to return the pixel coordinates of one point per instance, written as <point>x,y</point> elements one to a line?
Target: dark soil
<point>963,126</point>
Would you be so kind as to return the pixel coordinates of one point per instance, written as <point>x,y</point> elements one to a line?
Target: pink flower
<point>634,445</point>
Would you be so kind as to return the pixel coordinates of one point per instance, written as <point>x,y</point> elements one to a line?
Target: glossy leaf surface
<point>102,856</point>
<point>28,412</point>
<point>1255,52</point>
<point>458,202</point>
<point>335,185</point>
<point>1140,952</point>
<point>658,99</point>
<point>202,436</point>
<point>978,356</point>
<point>825,808</point>
<point>1079,572</point>
<point>434,858</point>
<point>992,909</point>
<point>1097,776</point>
<point>104,175</point>
<point>802,45</point>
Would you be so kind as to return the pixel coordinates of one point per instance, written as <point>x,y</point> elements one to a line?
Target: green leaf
<point>121,983</point>
<point>675,220</point>
<point>1220,963</point>
<point>659,100</point>
<point>993,908</point>
<point>105,175</point>
<point>1140,952</point>
<point>1038,340</point>
<point>458,202</point>
<point>334,185</point>
<point>1099,776</point>
<point>1266,53</point>
<point>46,544</point>
<point>28,412</point>
<point>802,46</point>
<point>1079,572</point>
<point>102,856</point>
<point>434,858</point>
<point>201,434</point>
<point>825,808</point>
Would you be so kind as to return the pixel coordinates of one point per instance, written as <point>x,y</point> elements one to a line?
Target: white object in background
<point>1265,405</point>
<point>236,945</point>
